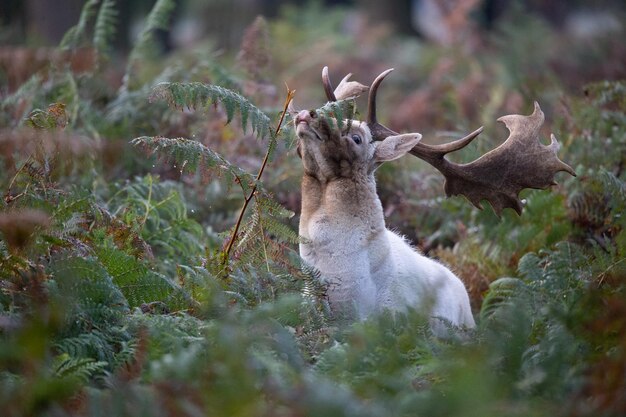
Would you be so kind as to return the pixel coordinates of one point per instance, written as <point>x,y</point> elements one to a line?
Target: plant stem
<point>247,199</point>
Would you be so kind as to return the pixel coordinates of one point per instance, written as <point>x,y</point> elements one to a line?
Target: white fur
<point>369,268</point>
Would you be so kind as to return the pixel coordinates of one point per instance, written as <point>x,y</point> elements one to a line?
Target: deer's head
<point>522,161</point>
<point>330,149</point>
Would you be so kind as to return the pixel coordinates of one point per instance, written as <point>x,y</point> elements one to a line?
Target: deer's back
<point>423,283</point>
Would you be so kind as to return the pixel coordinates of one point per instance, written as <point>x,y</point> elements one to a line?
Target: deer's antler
<point>345,90</point>
<point>499,175</point>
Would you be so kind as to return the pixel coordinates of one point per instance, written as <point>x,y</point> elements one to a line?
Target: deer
<point>366,267</point>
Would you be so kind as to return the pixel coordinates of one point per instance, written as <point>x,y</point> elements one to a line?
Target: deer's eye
<point>356,139</point>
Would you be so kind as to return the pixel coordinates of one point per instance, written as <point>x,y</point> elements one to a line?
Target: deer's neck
<point>343,228</point>
<point>344,200</point>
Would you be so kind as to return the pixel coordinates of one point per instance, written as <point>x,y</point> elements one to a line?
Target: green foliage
<point>144,48</point>
<point>104,28</point>
<point>264,238</point>
<point>338,111</point>
<point>139,284</point>
<point>500,294</point>
<point>116,297</point>
<point>191,155</point>
<point>79,368</point>
<point>77,34</point>
<point>91,287</point>
<point>385,354</point>
<point>157,222</point>
<point>194,95</point>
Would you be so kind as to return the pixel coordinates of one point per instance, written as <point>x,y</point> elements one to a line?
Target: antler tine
<point>379,131</point>
<point>328,87</point>
<point>421,150</point>
<point>434,154</point>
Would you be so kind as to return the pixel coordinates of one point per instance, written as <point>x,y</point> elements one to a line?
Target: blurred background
<point>41,22</point>
<point>432,43</point>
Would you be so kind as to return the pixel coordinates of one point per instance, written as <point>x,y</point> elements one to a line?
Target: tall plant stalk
<point>252,194</point>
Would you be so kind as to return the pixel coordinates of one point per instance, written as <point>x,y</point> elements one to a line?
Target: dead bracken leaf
<point>54,117</point>
<point>58,114</point>
<point>254,55</point>
<point>17,226</point>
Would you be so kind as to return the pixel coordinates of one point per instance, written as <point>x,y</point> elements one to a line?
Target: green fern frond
<point>12,102</point>
<point>52,118</point>
<point>263,232</point>
<point>280,231</point>
<point>274,208</point>
<point>271,213</point>
<point>337,111</point>
<point>98,344</point>
<point>500,293</point>
<point>159,18</point>
<point>169,333</point>
<point>313,287</point>
<point>530,267</point>
<point>615,187</point>
<point>90,286</point>
<point>138,283</point>
<point>77,34</point>
<point>194,95</point>
<point>389,344</point>
<point>105,27</point>
<point>191,155</point>
<point>125,354</point>
<point>80,368</point>
<point>249,230</point>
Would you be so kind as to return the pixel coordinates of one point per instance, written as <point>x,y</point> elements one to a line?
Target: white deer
<point>367,267</point>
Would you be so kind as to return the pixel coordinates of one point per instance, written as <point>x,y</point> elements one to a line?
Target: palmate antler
<point>498,176</point>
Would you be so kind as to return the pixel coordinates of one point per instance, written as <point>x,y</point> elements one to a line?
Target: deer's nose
<point>305,116</point>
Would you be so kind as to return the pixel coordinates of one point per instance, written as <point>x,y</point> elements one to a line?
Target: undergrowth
<point>148,244</point>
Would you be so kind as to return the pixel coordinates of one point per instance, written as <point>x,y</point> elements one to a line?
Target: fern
<point>501,293</point>
<point>338,111</point>
<point>616,188</point>
<point>104,29</point>
<point>77,34</point>
<point>138,284</point>
<point>95,298</point>
<point>263,239</point>
<point>77,368</point>
<point>194,95</point>
<point>273,208</point>
<point>51,118</point>
<point>386,356</point>
<point>156,213</point>
<point>158,18</point>
<point>97,344</point>
<point>191,155</point>
<point>170,333</point>
<point>11,102</point>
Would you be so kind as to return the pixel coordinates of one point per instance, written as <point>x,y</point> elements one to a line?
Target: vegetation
<point>148,243</point>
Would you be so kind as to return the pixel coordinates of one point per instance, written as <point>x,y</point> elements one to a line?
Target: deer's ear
<point>393,147</point>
